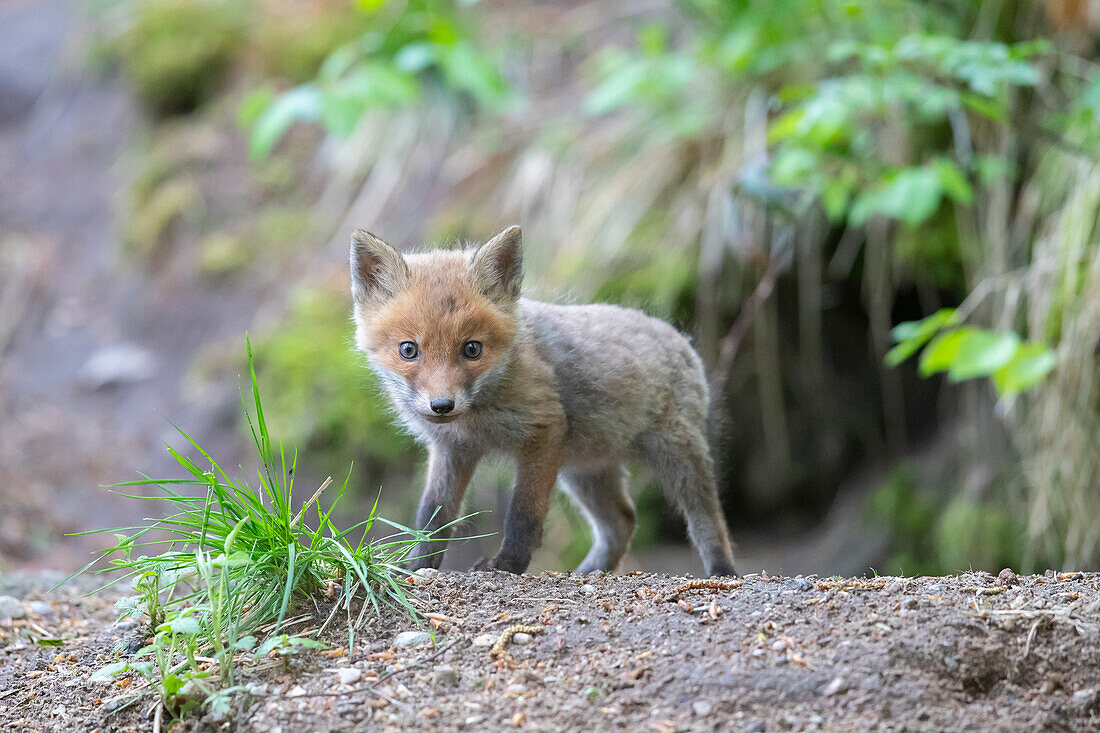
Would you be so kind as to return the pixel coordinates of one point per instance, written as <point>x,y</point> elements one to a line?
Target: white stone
<point>12,608</point>
<point>349,675</point>
<point>701,708</point>
<point>483,641</point>
<point>409,639</point>
<point>121,364</point>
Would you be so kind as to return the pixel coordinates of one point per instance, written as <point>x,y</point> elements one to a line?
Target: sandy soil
<point>967,652</point>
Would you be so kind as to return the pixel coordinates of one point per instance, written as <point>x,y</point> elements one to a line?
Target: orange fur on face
<point>440,310</point>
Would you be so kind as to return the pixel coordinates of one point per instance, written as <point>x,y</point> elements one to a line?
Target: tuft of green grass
<point>233,561</point>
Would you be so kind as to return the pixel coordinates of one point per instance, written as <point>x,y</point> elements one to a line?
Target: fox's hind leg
<point>678,454</point>
<point>602,496</point>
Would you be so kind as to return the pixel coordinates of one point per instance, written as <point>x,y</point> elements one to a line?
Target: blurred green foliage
<point>853,78</point>
<point>929,537</point>
<point>176,52</point>
<point>407,49</point>
<point>663,284</point>
<point>969,352</point>
<point>293,48</point>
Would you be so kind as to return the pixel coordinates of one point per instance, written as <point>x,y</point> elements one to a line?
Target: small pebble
<point>445,676</point>
<point>702,708</point>
<point>1087,697</point>
<point>802,584</point>
<point>12,608</point>
<point>427,572</point>
<point>349,675</point>
<point>484,641</point>
<point>521,638</point>
<point>296,691</point>
<point>835,686</point>
<point>588,589</point>
<point>409,639</point>
<point>1006,577</point>
<point>40,608</point>
<point>516,688</point>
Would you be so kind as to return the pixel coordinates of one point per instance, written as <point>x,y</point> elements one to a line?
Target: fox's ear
<point>497,265</point>
<point>378,271</point>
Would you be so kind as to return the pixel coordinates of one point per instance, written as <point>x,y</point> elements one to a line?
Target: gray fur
<point>583,389</point>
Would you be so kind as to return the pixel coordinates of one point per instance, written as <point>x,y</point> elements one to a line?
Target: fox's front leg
<point>538,463</point>
<point>449,472</point>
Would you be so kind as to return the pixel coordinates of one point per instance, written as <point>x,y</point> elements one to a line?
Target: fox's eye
<point>408,350</point>
<point>472,349</point>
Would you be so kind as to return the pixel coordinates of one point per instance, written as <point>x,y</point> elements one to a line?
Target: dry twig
<point>509,632</point>
<point>702,585</point>
<point>850,584</point>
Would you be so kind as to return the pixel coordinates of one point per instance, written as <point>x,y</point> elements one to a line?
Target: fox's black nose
<point>442,407</point>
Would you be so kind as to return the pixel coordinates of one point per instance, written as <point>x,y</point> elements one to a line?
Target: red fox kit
<point>571,392</point>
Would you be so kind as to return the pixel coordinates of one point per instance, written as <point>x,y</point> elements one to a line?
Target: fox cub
<point>571,392</point>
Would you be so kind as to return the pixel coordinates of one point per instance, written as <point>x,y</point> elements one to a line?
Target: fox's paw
<point>499,563</point>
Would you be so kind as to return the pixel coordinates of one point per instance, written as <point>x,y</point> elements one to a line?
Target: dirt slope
<point>620,652</point>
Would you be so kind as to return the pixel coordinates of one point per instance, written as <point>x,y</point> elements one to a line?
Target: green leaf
<point>181,625</point>
<point>280,642</point>
<point>50,642</point>
<point>416,57</point>
<point>110,671</point>
<point>981,353</point>
<point>911,195</point>
<point>245,643</point>
<point>786,126</point>
<point>926,327</point>
<point>835,196</point>
<point>227,546</point>
<point>470,72</point>
<point>953,181</point>
<point>619,87</point>
<point>173,684</point>
<point>911,335</point>
<point>130,606</point>
<point>297,105</point>
<point>253,105</point>
<point>940,354</point>
<point>994,109</point>
<point>1028,366</point>
<point>237,559</point>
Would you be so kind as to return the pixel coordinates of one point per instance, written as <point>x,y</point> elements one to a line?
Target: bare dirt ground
<point>968,652</point>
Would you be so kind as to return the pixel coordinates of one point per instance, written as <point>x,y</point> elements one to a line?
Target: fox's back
<point>618,371</point>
